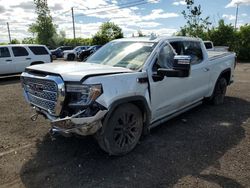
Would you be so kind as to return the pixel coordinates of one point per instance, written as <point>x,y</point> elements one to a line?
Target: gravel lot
<point>208,146</point>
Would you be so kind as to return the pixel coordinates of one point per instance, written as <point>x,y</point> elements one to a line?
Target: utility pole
<point>9,31</point>
<point>236,16</point>
<point>73,21</point>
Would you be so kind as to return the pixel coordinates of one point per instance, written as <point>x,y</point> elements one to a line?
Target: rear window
<point>4,52</point>
<point>208,45</point>
<point>19,51</point>
<point>38,50</point>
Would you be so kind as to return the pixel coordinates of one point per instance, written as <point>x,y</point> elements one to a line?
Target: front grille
<point>44,93</point>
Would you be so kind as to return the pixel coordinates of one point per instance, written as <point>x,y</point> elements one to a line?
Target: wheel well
<point>138,101</point>
<point>227,75</point>
<point>71,55</point>
<point>142,108</point>
<point>37,62</point>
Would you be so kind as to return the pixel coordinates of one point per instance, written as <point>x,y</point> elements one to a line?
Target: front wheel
<point>219,91</point>
<point>122,131</point>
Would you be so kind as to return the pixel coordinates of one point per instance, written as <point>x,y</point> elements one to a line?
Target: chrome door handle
<point>206,69</point>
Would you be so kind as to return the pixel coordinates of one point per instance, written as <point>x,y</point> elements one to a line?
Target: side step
<point>160,121</point>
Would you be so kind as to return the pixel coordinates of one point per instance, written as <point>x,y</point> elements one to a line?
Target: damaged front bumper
<point>76,124</point>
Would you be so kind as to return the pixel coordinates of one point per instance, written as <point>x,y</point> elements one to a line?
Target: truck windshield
<point>127,54</point>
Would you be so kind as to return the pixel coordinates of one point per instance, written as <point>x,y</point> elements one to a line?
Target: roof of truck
<point>159,38</point>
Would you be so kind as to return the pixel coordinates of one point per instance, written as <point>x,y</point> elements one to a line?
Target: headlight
<point>82,95</point>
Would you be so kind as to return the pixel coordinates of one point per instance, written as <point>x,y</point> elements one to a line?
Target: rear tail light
<point>235,61</point>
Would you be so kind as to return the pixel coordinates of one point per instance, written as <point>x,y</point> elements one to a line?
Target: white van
<point>15,58</point>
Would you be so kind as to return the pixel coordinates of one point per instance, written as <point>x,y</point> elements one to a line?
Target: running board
<point>160,121</point>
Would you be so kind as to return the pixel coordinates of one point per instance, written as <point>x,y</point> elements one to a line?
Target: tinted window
<point>191,48</point>
<point>38,50</point>
<point>4,52</point>
<point>19,51</point>
<point>208,45</point>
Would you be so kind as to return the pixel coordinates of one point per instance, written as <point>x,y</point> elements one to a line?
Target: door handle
<point>206,69</point>
<point>8,60</point>
<point>28,58</point>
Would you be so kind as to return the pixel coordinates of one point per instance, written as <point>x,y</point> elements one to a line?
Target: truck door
<point>6,65</point>
<point>21,58</point>
<point>198,80</point>
<point>167,94</point>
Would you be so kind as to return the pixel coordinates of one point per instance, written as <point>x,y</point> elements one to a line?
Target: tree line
<point>238,40</point>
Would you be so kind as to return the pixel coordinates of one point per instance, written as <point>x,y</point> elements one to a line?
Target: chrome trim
<point>60,90</point>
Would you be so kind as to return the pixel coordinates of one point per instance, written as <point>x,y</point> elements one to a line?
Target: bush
<point>243,47</point>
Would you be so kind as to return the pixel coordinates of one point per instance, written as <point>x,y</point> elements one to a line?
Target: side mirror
<point>181,67</point>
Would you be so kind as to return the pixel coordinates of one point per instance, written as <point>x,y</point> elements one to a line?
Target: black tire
<point>54,57</point>
<point>71,57</point>
<point>219,91</point>
<point>122,131</point>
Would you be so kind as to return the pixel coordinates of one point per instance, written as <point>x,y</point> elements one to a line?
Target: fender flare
<point>224,71</point>
<point>140,102</point>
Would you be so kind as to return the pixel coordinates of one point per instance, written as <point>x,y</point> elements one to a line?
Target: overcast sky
<point>162,17</point>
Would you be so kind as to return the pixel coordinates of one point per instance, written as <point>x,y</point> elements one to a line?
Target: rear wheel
<point>219,91</point>
<point>122,130</point>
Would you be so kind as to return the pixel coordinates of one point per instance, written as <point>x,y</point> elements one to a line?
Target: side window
<point>193,49</point>
<point>19,51</point>
<point>38,50</point>
<point>4,52</point>
<point>178,47</point>
<point>165,58</point>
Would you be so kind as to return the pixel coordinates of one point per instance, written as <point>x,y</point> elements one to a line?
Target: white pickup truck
<point>127,87</point>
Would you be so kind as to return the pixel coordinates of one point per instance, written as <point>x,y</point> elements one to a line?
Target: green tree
<point>243,47</point>
<point>196,26</point>
<point>140,34</point>
<point>29,40</point>
<point>108,31</point>
<point>15,41</point>
<point>223,35</point>
<point>58,39</point>
<point>43,28</point>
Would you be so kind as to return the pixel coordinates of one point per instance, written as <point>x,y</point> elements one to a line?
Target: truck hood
<point>75,71</point>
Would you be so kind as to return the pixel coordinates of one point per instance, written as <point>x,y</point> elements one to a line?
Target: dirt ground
<point>208,146</point>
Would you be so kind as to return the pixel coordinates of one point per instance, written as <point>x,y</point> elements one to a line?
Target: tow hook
<point>34,117</point>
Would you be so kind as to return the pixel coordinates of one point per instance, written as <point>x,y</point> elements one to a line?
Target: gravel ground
<point>208,146</point>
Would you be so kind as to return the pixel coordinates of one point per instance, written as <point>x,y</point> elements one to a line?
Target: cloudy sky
<point>159,16</point>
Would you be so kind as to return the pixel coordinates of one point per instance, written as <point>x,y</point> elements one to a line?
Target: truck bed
<point>212,55</point>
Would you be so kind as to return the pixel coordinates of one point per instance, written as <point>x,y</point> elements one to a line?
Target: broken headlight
<point>83,95</point>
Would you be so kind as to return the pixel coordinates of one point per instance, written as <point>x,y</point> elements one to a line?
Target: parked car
<point>58,52</point>
<point>15,58</point>
<point>128,87</point>
<point>71,55</point>
<point>86,53</point>
<point>210,47</point>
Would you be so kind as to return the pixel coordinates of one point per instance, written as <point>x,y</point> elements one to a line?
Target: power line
<point>117,8</point>
<point>112,5</point>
